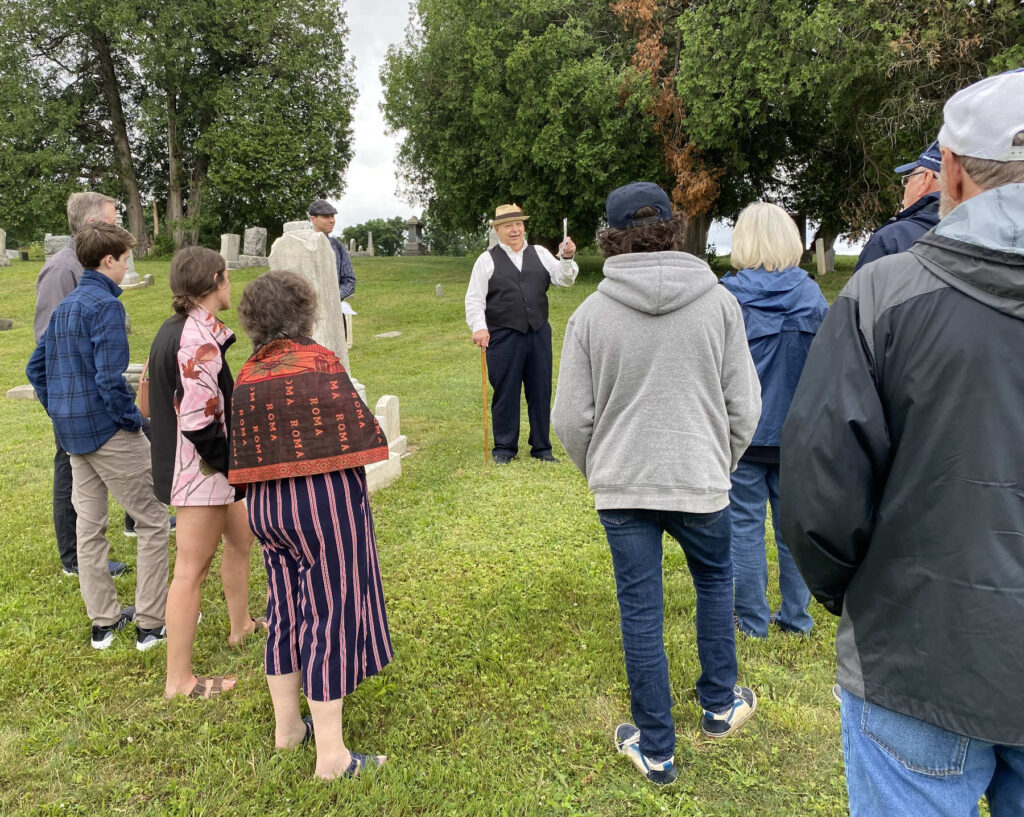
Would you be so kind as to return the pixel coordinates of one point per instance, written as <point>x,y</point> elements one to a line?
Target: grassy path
<point>508,675</point>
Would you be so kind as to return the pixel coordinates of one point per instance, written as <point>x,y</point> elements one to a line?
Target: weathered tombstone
<point>384,335</point>
<point>492,239</point>
<point>131,277</point>
<point>830,260</point>
<point>148,280</point>
<point>229,249</point>
<point>25,392</point>
<point>255,241</point>
<point>4,260</point>
<point>439,291</point>
<point>819,252</point>
<point>5,324</point>
<point>53,244</point>
<point>352,245</point>
<point>296,227</point>
<point>309,254</point>
<point>369,243</point>
<point>414,240</point>
<point>382,474</point>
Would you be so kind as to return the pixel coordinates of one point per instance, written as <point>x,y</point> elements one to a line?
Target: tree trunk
<point>122,147</point>
<point>695,235</point>
<point>197,181</point>
<point>175,208</point>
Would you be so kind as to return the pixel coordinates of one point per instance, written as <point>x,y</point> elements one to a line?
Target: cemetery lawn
<point>508,677</point>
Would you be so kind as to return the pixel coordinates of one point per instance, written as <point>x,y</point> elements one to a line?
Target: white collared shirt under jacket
<point>563,273</point>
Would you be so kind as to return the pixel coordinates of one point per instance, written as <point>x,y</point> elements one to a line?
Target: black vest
<point>516,299</point>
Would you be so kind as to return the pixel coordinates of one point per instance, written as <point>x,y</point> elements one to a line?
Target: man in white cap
<point>902,475</point>
<point>507,311</point>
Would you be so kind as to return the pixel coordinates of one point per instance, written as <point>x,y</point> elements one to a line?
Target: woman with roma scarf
<point>190,392</point>
<point>300,438</point>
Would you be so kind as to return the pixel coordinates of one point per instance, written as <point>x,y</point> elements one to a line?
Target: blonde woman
<point>782,310</point>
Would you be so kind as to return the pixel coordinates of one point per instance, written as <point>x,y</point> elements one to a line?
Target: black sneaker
<point>103,637</point>
<point>114,568</point>
<point>129,530</point>
<point>722,724</point>
<point>147,639</point>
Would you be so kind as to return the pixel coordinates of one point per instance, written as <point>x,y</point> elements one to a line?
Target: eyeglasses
<point>905,180</point>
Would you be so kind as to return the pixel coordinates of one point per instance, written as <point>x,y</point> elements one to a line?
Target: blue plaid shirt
<point>346,275</point>
<point>78,367</point>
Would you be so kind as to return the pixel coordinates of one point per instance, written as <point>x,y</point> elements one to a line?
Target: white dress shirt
<point>563,274</point>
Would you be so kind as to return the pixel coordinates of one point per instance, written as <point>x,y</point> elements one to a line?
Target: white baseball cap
<point>981,120</point>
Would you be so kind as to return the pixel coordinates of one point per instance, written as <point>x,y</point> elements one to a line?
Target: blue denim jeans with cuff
<point>897,765</point>
<point>635,538</point>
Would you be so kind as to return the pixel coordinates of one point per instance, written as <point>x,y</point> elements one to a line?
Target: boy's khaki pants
<point>121,466</point>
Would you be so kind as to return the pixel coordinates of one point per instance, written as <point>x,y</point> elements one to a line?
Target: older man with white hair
<point>902,475</point>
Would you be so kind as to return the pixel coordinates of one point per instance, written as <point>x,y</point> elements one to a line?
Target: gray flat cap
<point>321,208</point>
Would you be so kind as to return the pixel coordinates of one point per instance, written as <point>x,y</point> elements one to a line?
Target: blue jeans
<point>753,485</point>
<point>635,538</point>
<point>898,765</point>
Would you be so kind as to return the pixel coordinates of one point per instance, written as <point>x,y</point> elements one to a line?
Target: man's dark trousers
<point>64,516</point>
<point>517,360</point>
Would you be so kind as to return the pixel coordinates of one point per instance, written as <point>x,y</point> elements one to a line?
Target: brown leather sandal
<point>207,687</point>
<point>258,625</point>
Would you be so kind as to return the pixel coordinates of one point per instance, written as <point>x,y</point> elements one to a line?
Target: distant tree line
<point>552,103</point>
<point>226,114</point>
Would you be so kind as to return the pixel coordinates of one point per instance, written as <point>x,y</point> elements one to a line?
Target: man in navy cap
<point>321,214</point>
<point>920,211</point>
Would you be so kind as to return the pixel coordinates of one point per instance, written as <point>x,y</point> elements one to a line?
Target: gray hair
<point>279,304</point>
<point>988,174</point>
<point>86,207</point>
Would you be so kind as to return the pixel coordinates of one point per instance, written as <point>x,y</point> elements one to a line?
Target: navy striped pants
<point>325,603</point>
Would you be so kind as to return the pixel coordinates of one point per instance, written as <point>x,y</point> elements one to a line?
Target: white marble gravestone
<point>229,249</point>
<point>4,260</point>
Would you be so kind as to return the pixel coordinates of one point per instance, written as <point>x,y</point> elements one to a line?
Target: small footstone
<point>439,291</point>
<point>389,335</point>
<point>21,393</point>
<point>5,324</point>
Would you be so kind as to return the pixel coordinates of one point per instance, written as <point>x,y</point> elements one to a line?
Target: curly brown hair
<point>195,273</point>
<point>278,304</point>
<point>659,237</point>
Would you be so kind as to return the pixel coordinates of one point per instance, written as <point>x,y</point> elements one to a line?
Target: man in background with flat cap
<point>507,311</point>
<point>920,211</point>
<point>321,215</point>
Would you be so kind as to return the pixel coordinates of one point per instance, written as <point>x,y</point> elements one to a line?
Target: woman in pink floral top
<point>190,393</point>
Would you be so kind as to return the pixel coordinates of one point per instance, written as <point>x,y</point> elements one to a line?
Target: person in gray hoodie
<point>657,400</point>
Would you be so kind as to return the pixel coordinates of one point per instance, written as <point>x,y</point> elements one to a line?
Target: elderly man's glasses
<point>905,180</point>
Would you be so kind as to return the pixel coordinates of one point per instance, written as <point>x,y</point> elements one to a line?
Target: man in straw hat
<point>902,465</point>
<point>507,310</point>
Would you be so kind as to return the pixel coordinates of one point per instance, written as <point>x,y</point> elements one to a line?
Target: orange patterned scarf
<point>295,412</point>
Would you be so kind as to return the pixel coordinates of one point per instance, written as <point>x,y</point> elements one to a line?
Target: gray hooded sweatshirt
<point>657,394</point>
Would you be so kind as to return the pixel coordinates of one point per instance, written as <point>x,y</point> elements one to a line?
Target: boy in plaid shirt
<point>77,371</point>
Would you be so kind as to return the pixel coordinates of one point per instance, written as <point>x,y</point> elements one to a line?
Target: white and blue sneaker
<point>627,742</point>
<point>722,724</point>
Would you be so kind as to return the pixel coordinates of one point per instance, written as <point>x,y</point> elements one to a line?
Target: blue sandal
<point>360,762</point>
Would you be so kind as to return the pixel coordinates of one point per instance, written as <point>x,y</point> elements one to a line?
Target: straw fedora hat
<point>505,213</point>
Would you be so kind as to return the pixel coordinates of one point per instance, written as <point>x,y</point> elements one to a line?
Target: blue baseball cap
<point>930,159</point>
<point>624,201</point>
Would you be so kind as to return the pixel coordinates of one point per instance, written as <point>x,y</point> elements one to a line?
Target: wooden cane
<point>483,384</point>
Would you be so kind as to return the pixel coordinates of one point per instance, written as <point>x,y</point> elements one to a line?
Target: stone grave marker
<point>5,324</point>
<point>414,240</point>
<point>53,244</point>
<point>254,248</point>
<point>492,239</point>
<point>439,291</point>
<point>4,260</point>
<point>229,249</point>
<point>131,278</point>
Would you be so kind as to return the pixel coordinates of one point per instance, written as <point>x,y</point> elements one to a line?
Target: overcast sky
<point>371,185</point>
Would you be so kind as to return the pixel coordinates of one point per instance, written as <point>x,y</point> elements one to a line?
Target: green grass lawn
<point>508,676</point>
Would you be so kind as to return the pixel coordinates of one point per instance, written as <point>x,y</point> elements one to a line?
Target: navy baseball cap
<point>321,208</point>
<point>930,159</point>
<point>624,201</point>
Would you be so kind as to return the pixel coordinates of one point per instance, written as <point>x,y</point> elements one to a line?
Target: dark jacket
<point>903,473</point>
<point>902,230</point>
<point>781,312</point>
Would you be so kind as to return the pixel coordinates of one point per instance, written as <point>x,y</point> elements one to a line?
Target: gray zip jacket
<point>657,395</point>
